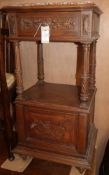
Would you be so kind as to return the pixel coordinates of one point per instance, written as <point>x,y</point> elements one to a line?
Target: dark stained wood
<point>5,99</point>
<point>10,57</point>
<point>55,121</point>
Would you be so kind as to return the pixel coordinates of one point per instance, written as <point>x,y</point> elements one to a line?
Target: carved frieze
<point>57,24</point>
<point>54,23</point>
<point>72,24</point>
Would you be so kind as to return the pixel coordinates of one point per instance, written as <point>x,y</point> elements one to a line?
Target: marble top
<point>4,3</point>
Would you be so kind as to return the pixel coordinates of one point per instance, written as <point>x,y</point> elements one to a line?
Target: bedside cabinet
<point>56,121</point>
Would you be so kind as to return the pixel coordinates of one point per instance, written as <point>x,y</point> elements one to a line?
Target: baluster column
<point>84,95</point>
<point>18,70</point>
<point>79,66</point>
<point>40,62</point>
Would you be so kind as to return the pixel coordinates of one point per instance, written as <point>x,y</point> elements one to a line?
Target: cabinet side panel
<point>82,133</point>
<point>20,123</point>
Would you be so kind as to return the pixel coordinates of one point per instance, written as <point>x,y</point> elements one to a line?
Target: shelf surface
<point>53,95</point>
<point>60,94</point>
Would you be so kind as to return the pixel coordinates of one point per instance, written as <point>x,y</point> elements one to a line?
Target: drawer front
<point>63,25</point>
<point>50,131</point>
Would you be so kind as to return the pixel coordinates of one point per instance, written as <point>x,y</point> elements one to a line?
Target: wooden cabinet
<point>55,121</point>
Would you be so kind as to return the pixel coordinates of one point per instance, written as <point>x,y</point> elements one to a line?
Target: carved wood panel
<point>61,24</point>
<point>66,26</point>
<point>51,127</point>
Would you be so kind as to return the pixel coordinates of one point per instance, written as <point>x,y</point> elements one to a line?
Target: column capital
<point>16,43</point>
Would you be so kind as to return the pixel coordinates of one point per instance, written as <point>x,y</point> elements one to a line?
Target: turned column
<point>92,65</point>
<point>84,95</point>
<point>18,70</point>
<point>40,62</point>
<point>79,66</point>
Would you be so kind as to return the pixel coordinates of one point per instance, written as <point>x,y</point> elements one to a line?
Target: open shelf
<point>60,94</point>
<point>54,95</point>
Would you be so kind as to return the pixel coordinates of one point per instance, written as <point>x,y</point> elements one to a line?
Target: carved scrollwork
<point>55,23</point>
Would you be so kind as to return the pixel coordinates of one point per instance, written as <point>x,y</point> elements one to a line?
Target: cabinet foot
<point>11,156</point>
<point>10,153</point>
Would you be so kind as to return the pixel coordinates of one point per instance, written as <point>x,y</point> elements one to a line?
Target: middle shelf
<point>54,95</point>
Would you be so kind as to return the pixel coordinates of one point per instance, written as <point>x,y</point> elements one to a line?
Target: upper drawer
<point>64,26</point>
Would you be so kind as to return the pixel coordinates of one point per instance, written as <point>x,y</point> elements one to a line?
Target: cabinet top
<point>53,6</point>
<point>68,21</point>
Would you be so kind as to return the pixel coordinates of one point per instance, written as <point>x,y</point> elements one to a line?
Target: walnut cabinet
<point>55,121</point>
